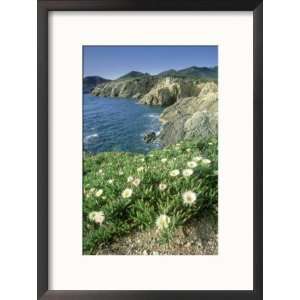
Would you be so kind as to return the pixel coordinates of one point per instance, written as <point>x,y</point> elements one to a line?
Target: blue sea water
<point>114,124</point>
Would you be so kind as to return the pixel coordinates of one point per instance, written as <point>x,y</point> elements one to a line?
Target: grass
<point>108,175</point>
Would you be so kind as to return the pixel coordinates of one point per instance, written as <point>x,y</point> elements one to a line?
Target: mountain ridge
<point>90,82</point>
<point>192,72</point>
<point>133,74</point>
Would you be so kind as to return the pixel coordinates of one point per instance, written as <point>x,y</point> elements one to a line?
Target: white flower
<point>187,172</point>
<point>174,173</point>
<point>197,158</point>
<point>136,181</point>
<point>110,181</point>
<point>99,193</point>
<point>130,179</point>
<point>140,169</point>
<point>162,186</point>
<point>206,161</point>
<point>210,143</point>
<point>103,197</point>
<point>97,217</point>
<point>121,172</point>
<point>163,160</point>
<point>192,164</point>
<point>162,222</point>
<point>189,198</point>
<point>178,144</point>
<point>127,193</point>
<point>92,215</point>
<point>142,159</point>
<point>100,171</point>
<point>188,150</point>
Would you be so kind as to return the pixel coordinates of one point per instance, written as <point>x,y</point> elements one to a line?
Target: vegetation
<point>133,74</point>
<point>89,82</point>
<point>203,73</point>
<point>167,188</point>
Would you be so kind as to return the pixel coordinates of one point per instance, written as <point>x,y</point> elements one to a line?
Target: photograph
<point>150,150</point>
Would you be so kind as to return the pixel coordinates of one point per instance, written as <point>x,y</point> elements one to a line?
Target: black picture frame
<point>44,6</point>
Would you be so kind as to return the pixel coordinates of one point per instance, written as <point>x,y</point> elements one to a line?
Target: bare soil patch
<point>196,238</point>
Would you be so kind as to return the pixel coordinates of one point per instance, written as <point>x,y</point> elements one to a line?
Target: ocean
<point>114,124</point>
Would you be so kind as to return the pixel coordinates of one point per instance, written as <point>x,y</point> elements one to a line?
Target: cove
<point>118,124</point>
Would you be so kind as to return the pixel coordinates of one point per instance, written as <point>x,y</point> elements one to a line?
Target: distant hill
<point>167,73</point>
<point>89,82</point>
<point>162,89</point>
<point>133,74</point>
<point>192,72</point>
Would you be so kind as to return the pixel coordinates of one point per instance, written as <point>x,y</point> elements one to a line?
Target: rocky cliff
<point>190,117</point>
<point>135,87</point>
<point>151,90</point>
<point>191,101</point>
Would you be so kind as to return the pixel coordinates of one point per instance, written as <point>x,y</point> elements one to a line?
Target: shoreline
<point>140,119</point>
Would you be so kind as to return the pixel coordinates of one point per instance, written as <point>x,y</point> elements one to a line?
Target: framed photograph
<point>150,149</point>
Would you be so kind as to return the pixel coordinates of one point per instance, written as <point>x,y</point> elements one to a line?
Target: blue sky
<point>112,62</point>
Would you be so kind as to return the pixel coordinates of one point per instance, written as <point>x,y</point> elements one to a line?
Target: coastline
<point>190,107</point>
<point>112,124</point>
<point>165,200</point>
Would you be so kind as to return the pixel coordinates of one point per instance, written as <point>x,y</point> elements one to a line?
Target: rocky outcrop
<point>150,90</point>
<point>168,90</point>
<point>191,103</point>
<point>150,137</point>
<point>190,117</point>
<point>126,88</point>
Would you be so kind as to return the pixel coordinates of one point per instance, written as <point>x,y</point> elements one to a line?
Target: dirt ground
<point>195,238</point>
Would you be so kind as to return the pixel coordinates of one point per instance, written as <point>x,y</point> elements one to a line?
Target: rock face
<point>190,117</point>
<point>151,90</point>
<point>150,137</point>
<point>168,90</point>
<point>191,102</point>
<point>126,88</point>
